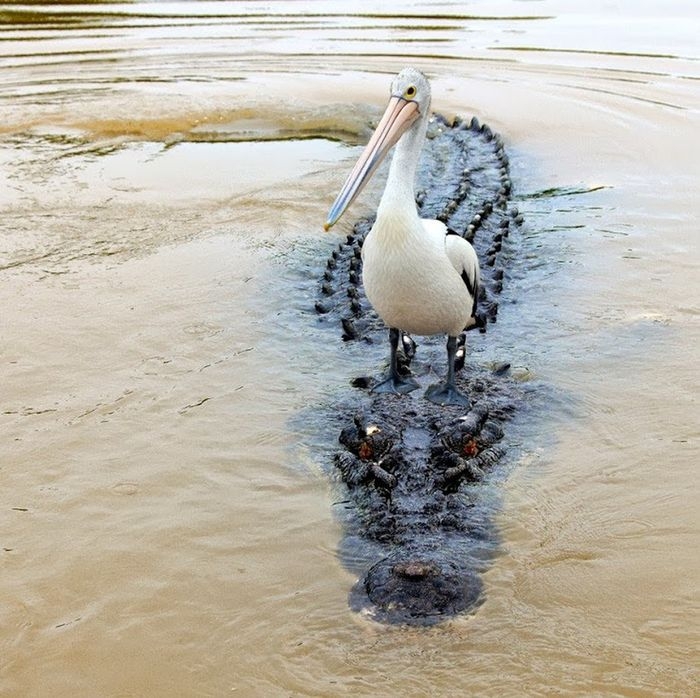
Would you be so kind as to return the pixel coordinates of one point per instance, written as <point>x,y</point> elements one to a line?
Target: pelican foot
<point>398,385</point>
<point>446,394</point>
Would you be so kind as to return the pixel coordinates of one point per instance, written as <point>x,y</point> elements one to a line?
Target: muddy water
<point>166,522</point>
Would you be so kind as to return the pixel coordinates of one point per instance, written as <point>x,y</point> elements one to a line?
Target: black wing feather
<point>471,284</point>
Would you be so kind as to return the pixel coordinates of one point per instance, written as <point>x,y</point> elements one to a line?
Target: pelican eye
<point>410,92</point>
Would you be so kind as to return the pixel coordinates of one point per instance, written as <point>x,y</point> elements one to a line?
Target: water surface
<point>167,525</point>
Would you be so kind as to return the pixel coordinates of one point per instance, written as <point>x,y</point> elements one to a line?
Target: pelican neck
<point>399,199</point>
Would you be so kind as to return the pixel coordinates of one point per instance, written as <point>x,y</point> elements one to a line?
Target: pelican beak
<point>398,117</point>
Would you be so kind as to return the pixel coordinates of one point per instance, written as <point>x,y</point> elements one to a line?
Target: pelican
<point>420,278</point>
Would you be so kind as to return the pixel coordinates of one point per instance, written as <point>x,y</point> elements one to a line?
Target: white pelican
<point>417,276</point>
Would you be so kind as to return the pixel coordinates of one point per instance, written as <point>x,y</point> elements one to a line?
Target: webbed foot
<point>446,394</point>
<point>399,385</point>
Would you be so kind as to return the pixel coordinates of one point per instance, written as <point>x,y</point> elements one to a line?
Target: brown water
<point>166,523</point>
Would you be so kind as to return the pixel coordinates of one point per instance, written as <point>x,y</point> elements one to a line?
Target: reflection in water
<point>165,530</point>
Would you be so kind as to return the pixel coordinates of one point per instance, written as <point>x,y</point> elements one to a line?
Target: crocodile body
<point>415,475</point>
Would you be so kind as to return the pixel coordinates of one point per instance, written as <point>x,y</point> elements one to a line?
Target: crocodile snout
<point>416,589</point>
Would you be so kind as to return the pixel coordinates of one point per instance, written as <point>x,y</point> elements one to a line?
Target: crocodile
<point>414,475</point>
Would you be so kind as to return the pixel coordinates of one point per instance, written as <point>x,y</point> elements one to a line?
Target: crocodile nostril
<point>415,569</point>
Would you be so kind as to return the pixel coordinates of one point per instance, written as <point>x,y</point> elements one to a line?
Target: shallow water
<point>167,522</point>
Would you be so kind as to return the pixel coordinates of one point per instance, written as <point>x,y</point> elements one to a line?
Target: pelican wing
<point>463,258</point>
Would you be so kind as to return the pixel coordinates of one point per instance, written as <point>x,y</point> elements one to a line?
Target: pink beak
<point>397,119</point>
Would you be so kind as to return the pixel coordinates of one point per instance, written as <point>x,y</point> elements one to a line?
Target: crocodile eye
<point>410,92</point>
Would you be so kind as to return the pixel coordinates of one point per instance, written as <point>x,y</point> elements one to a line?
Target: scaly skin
<point>415,472</point>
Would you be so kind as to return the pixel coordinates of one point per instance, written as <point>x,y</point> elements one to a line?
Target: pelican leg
<point>395,383</point>
<point>446,393</point>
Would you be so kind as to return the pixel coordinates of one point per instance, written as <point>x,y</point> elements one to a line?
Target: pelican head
<point>409,102</point>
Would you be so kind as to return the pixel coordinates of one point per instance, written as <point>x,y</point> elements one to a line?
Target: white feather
<point>412,273</point>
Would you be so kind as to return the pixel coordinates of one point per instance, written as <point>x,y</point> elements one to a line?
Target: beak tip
<point>327,226</point>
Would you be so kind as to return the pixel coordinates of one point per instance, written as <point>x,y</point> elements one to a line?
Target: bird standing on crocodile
<point>419,277</point>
